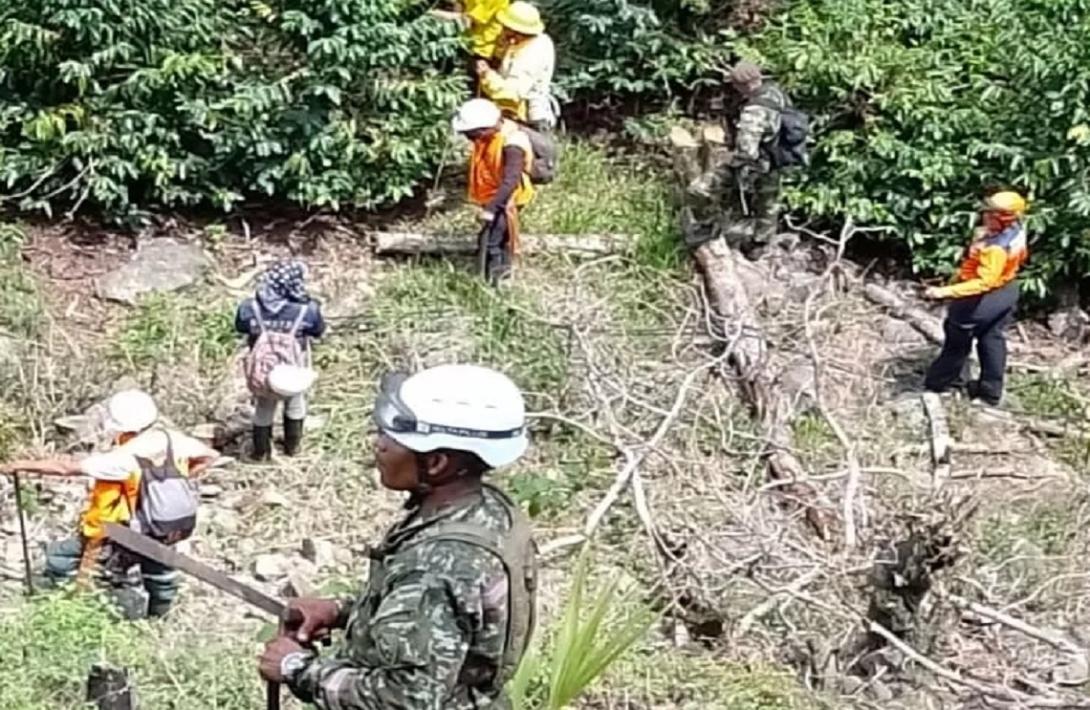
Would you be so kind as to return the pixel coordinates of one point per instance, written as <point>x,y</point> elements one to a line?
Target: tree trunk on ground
<point>417,243</point>
<point>736,325</point>
<point>109,688</point>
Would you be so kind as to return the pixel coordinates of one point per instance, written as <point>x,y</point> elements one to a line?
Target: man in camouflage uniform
<point>747,186</point>
<point>449,605</point>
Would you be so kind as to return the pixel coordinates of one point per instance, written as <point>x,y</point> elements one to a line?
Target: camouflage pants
<point>159,583</point>
<point>751,213</point>
<point>744,218</point>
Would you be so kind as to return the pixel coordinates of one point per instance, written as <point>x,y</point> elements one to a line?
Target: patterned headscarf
<point>281,284</point>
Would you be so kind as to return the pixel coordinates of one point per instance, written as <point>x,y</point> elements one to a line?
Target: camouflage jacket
<point>429,631</point>
<point>758,123</point>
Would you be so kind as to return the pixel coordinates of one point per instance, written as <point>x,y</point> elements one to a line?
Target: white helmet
<point>474,115</point>
<point>131,411</point>
<point>457,407</point>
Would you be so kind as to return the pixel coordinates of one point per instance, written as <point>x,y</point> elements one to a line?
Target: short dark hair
<point>470,462</point>
<point>464,461</point>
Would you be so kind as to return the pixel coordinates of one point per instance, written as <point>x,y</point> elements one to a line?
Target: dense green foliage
<point>123,104</point>
<point>925,104</point>
<point>920,106</point>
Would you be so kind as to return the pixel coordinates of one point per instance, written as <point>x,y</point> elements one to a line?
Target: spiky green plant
<point>587,640</point>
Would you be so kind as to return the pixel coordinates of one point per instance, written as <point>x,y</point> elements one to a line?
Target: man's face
<point>480,134</point>
<point>996,221</point>
<point>397,465</point>
<point>508,37</point>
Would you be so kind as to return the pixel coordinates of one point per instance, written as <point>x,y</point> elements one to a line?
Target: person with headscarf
<point>280,305</point>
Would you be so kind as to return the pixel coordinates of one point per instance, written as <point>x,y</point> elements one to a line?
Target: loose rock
<point>269,568</point>
<point>1073,673</point>
<point>273,499</point>
<point>159,265</point>
<point>321,552</point>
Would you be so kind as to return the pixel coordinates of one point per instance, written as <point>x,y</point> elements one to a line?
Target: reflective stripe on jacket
<point>990,262</point>
<point>486,165</point>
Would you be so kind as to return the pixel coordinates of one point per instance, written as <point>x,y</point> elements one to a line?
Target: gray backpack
<point>166,506</point>
<point>546,162</point>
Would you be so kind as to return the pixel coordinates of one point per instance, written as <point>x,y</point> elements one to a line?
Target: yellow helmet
<point>1007,201</point>
<point>522,17</point>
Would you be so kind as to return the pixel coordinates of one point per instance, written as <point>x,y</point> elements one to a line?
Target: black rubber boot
<point>262,443</point>
<point>293,435</point>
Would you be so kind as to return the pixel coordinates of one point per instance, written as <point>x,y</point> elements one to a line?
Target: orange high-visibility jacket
<point>990,262</point>
<point>486,166</point>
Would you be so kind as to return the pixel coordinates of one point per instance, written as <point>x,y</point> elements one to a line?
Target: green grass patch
<point>20,301</point>
<point>599,193</point>
<point>1048,527</point>
<point>439,306</point>
<point>172,328</point>
<point>676,679</point>
<point>1046,396</point>
<point>54,639</point>
<point>813,438</point>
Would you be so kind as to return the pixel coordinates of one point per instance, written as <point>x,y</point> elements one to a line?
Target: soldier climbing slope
<point>449,606</point>
<point>769,136</point>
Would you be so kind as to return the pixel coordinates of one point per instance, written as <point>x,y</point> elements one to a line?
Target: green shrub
<point>126,105</point>
<point>612,49</point>
<point>922,105</point>
<point>55,638</point>
<point>20,302</point>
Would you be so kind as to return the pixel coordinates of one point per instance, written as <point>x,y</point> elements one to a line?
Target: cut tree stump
<point>418,243</point>
<point>109,688</point>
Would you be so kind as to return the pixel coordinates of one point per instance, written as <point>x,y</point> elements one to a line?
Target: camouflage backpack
<point>271,349</point>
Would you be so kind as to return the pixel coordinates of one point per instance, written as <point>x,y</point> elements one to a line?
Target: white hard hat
<point>457,407</point>
<point>131,411</point>
<point>474,115</point>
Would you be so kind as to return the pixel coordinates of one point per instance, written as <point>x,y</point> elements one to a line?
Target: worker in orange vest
<point>133,417</point>
<point>983,299</point>
<point>499,179</point>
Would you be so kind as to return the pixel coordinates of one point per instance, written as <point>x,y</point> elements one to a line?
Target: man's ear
<point>435,463</point>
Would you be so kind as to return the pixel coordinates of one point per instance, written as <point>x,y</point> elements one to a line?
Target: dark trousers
<point>982,318</point>
<point>498,259</point>
<point>62,559</point>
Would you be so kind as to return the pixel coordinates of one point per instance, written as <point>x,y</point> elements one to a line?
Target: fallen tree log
<point>918,318</point>
<point>735,325</point>
<point>419,243</point>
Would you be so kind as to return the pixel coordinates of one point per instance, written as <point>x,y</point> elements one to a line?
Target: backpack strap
<point>303,308</point>
<point>257,316</point>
